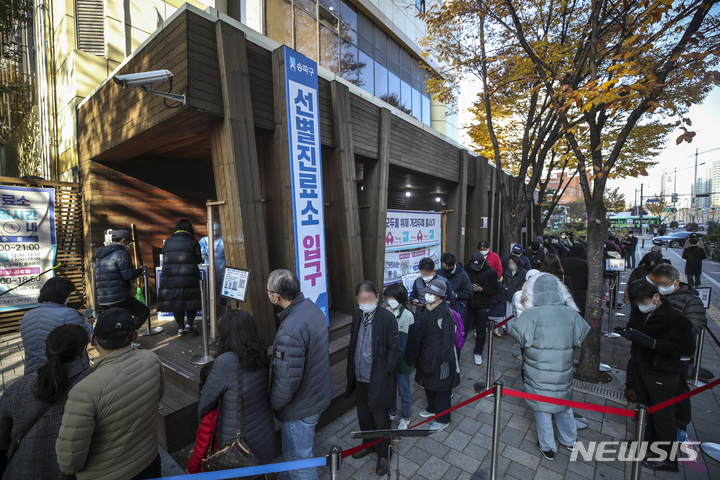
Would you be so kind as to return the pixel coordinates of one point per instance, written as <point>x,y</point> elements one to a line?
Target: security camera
<point>143,79</point>
<point>146,80</point>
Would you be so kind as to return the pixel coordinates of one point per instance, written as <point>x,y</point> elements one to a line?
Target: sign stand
<point>234,286</point>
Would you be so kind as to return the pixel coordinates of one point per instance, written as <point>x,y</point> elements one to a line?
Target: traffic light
<point>674,197</point>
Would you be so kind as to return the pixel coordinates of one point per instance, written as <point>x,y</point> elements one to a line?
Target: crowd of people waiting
<point>64,419</point>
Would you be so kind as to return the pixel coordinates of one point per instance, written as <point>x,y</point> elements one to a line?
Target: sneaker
<point>478,359</point>
<point>404,424</point>
<point>570,447</point>
<point>549,455</point>
<point>189,329</point>
<point>681,436</point>
<point>426,414</point>
<point>393,416</point>
<point>437,426</point>
<point>181,332</point>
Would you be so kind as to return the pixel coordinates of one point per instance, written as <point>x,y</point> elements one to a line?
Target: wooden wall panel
<point>413,148</point>
<point>365,126</point>
<point>327,116</point>
<point>261,86</point>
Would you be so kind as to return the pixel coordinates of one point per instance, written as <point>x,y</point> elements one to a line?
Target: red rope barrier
<point>570,403</point>
<point>682,397</point>
<point>712,335</point>
<point>504,321</point>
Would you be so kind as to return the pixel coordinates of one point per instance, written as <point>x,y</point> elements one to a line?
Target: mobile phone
<point>89,313</point>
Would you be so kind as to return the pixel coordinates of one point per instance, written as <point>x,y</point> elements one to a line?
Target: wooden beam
<point>237,177</point>
<point>344,239</point>
<point>474,207</point>
<point>375,194</point>
<point>457,202</point>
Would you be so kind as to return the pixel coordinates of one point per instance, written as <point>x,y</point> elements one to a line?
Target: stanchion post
<point>94,288</point>
<point>497,387</point>
<point>334,462</point>
<point>490,334</point>
<point>641,414</point>
<point>150,329</point>
<point>698,357</point>
<point>205,357</point>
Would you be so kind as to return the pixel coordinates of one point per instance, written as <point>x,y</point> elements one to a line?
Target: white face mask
<point>270,298</point>
<point>512,267</point>
<point>563,236</point>
<point>430,298</point>
<point>647,308</point>
<point>666,290</point>
<point>485,252</point>
<point>428,279</point>
<point>394,304</point>
<point>368,307</point>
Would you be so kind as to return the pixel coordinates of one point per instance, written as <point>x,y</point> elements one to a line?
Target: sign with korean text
<point>407,229</point>
<point>234,285</point>
<point>27,244</point>
<point>403,265</point>
<point>303,118</point>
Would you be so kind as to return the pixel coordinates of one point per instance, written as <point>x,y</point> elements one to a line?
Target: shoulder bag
<point>235,454</point>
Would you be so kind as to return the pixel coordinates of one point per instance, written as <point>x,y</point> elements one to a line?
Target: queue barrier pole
<point>490,333</point>
<point>493,472</point>
<point>94,288</point>
<point>641,413</point>
<point>698,357</point>
<point>150,329</point>
<point>334,462</point>
<point>205,357</point>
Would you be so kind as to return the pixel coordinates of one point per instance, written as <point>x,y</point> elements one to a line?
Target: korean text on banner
<point>407,229</point>
<point>301,90</point>
<point>27,243</point>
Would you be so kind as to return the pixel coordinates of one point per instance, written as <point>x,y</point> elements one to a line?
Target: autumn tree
<point>614,200</point>
<point>657,206</point>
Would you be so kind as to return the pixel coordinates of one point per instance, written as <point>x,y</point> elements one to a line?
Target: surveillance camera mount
<point>170,96</point>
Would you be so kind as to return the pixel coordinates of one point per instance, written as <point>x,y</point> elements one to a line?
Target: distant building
<point>572,193</point>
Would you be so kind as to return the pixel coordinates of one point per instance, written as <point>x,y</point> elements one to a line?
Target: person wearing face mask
<point>630,244</point>
<point>437,365</point>
<point>301,387</point>
<point>396,297</point>
<point>485,285</point>
<point>427,275</point>
<point>516,250</point>
<point>536,253</point>
<point>453,272</point>
<point>51,312</point>
<point>512,283</point>
<point>660,336</point>
<point>693,254</point>
<point>373,352</point>
<point>115,273</point>
<point>492,258</point>
<point>684,298</point>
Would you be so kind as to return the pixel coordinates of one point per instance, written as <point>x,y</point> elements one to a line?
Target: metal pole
<point>94,288</point>
<point>205,357</point>
<point>698,357</point>
<point>334,462</point>
<point>640,421</point>
<point>642,232</point>
<point>498,386</point>
<point>490,334</point>
<point>211,266</point>
<point>694,189</point>
<point>150,329</point>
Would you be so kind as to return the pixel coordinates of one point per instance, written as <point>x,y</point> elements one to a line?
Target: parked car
<point>675,240</point>
<point>702,226</point>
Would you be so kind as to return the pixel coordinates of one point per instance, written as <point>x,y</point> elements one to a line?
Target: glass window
<point>348,14</point>
<point>347,32</point>
<point>279,25</point>
<point>380,39</point>
<point>366,45</point>
<point>394,50</point>
<point>417,85</point>
<point>328,49</point>
<point>330,5</point>
<point>416,70</point>
<point>394,86</point>
<point>365,27</point>
<point>380,57</point>
<point>381,81</point>
<point>406,60</point>
<point>420,5</point>
<point>570,190</point>
<point>305,34</point>
<point>349,62</point>
<point>405,75</point>
<point>365,71</point>
<point>394,67</point>
<point>426,110</point>
<point>406,97</point>
<point>308,5</point>
<point>416,104</point>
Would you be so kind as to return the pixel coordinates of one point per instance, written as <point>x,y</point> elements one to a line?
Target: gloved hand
<point>444,371</point>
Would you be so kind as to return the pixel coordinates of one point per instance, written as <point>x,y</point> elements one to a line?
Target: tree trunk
<point>512,222</point>
<point>539,224</point>
<point>588,368</point>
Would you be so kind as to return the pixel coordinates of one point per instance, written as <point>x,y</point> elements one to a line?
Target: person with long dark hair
<point>240,354</point>
<point>179,291</point>
<point>552,265</point>
<point>51,312</point>
<point>31,409</point>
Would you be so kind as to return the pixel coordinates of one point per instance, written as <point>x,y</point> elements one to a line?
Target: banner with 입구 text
<point>28,243</point>
<point>303,118</point>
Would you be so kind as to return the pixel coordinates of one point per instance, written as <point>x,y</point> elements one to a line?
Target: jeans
<point>297,444</point>
<point>630,257</point>
<point>403,390</point>
<point>180,316</point>
<point>438,402</point>
<point>479,317</point>
<point>566,429</point>
<point>139,311</point>
<point>694,280</point>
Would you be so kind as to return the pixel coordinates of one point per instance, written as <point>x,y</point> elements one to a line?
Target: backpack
<point>459,330</point>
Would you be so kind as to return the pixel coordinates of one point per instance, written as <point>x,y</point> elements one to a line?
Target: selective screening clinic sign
<point>301,90</point>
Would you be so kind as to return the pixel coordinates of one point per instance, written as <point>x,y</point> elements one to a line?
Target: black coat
<point>513,283</point>
<point>630,244</point>
<point>487,278</point>
<point>693,256</point>
<point>114,271</point>
<point>686,300</point>
<point>576,269</point>
<point>437,346</point>
<point>460,283</point>
<point>385,352</point>
<point>537,258</point>
<point>674,339</point>
<point>180,280</point>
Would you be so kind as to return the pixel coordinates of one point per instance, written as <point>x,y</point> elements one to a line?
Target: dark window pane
<point>308,5</point>
<point>405,76</point>
<point>305,34</point>
<point>349,62</point>
<point>380,39</point>
<point>348,33</point>
<point>416,104</point>
<point>329,49</point>
<point>366,46</point>
<point>394,67</point>
<point>365,27</point>
<point>348,14</point>
<point>426,110</point>
<point>330,5</point>
<point>381,58</point>
<point>420,5</point>
<point>381,81</point>
<point>406,97</point>
<point>365,68</point>
<point>416,70</point>
<point>394,50</point>
<point>406,60</point>
<point>417,84</point>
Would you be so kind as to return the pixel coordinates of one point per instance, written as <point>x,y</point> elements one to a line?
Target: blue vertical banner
<point>303,118</point>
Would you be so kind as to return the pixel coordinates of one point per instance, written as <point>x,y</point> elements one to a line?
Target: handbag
<point>237,453</point>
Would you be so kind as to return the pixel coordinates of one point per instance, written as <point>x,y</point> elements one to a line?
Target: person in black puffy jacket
<point>180,282</point>
<point>240,347</point>
<point>114,273</point>
<point>485,285</point>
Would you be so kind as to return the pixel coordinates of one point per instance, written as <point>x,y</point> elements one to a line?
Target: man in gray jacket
<point>301,386</point>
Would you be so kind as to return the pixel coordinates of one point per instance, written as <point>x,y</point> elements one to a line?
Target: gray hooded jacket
<point>549,331</point>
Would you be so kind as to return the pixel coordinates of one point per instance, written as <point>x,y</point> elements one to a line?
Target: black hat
<point>113,320</point>
<point>120,234</point>
<point>476,261</point>
<point>437,287</point>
